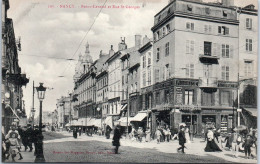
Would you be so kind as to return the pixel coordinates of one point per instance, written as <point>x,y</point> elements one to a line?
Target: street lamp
<point>98,109</point>
<point>39,155</point>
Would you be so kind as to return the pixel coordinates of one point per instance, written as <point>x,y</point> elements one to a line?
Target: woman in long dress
<point>187,135</point>
<point>211,145</point>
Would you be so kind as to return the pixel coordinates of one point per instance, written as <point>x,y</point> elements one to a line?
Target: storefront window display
<point>209,121</point>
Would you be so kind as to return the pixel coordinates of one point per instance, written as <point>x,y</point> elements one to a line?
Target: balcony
<point>134,94</point>
<point>5,64</point>
<point>208,59</point>
<point>208,84</point>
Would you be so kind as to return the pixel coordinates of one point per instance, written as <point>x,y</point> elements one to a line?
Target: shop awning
<point>91,122</point>
<point>123,121</point>
<point>252,111</point>
<point>139,117</point>
<point>97,123</point>
<point>108,121</point>
<point>8,106</point>
<point>68,124</point>
<point>123,107</point>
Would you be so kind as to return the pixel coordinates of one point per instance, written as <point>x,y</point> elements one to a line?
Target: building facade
<point>195,65</point>
<point>12,78</point>
<point>64,111</point>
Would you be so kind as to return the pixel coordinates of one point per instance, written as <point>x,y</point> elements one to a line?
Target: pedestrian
<point>108,131</point>
<point>247,146</point>
<point>148,135</point>
<point>158,135</point>
<point>14,147</point>
<point>175,134</point>
<point>140,134</point>
<point>31,136</point>
<point>211,145</point>
<point>80,131</point>
<point>182,139</point>
<point>187,135</point>
<point>34,138</point>
<point>234,139</point>
<point>116,138</point>
<point>228,141</point>
<point>168,134</point>
<point>75,133</point>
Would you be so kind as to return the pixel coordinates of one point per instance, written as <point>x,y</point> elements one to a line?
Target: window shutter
<point>218,50</point>
<point>223,70</point>
<point>250,24</point>
<point>192,26</point>
<point>231,51</point>
<point>250,45</point>
<point>192,47</point>
<point>187,46</point>
<point>219,29</point>
<point>214,53</point>
<point>187,70</point>
<point>227,31</point>
<point>247,22</point>
<point>201,49</point>
<point>210,30</point>
<point>205,28</point>
<point>223,50</point>
<point>192,70</point>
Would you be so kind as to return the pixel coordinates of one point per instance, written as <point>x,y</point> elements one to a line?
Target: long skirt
<point>212,146</point>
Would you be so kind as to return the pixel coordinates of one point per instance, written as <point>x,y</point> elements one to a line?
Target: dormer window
<point>189,7</point>
<point>207,10</point>
<point>224,13</point>
<point>159,18</point>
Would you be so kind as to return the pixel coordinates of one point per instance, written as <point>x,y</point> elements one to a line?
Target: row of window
<point>167,51</point>
<point>88,83</point>
<point>162,32</point>
<point>149,59</point>
<point>101,83</point>
<point>208,99</point>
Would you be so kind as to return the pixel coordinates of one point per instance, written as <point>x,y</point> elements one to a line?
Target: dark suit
<point>182,140</point>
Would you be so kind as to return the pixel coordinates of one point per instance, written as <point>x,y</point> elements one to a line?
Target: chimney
<point>138,40</point>
<point>227,3</point>
<point>122,45</point>
<point>100,54</point>
<point>145,40</point>
<point>111,51</point>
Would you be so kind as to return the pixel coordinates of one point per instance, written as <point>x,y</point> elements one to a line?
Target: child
<point>14,144</point>
<point>158,135</point>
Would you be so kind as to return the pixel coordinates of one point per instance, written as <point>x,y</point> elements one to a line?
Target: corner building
<point>195,64</point>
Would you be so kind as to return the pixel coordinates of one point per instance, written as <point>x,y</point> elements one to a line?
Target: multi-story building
<point>64,111</point>
<point>46,118</point>
<point>195,65</point>
<point>12,79</point>
<point>248,48</point>
<point>84,88</point>
<point>146,76</point>
<point>102,85</point>
<point>115,82</point>
<point>54,119</point>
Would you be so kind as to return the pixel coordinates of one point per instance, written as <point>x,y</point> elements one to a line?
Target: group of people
<point>15,138</point>
<point>243,141</point>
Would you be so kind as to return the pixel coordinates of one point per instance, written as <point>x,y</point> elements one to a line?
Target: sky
<point>51,35</point>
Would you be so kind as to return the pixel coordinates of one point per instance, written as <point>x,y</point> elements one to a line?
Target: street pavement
<point>62,147</point>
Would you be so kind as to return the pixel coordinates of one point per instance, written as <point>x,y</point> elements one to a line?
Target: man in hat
<point>247,145</point>
<point>30,135</point>
<point>182,139</point>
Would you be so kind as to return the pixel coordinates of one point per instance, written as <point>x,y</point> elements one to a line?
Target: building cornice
<point>145,47</point>
<point>193,16</point>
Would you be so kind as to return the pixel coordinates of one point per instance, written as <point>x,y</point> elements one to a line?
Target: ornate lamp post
<point>39,156</point>
<point>98,109</point>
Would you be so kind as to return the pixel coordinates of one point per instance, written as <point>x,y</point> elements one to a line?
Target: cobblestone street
<point>99,149</point>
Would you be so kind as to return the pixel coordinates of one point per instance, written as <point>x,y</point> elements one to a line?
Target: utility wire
<point>85,35</point>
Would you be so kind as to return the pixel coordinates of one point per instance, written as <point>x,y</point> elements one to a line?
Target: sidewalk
<point>28,157</point>
<point>196,147</point>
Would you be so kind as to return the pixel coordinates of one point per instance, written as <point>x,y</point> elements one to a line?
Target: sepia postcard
<point>129,81</point>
